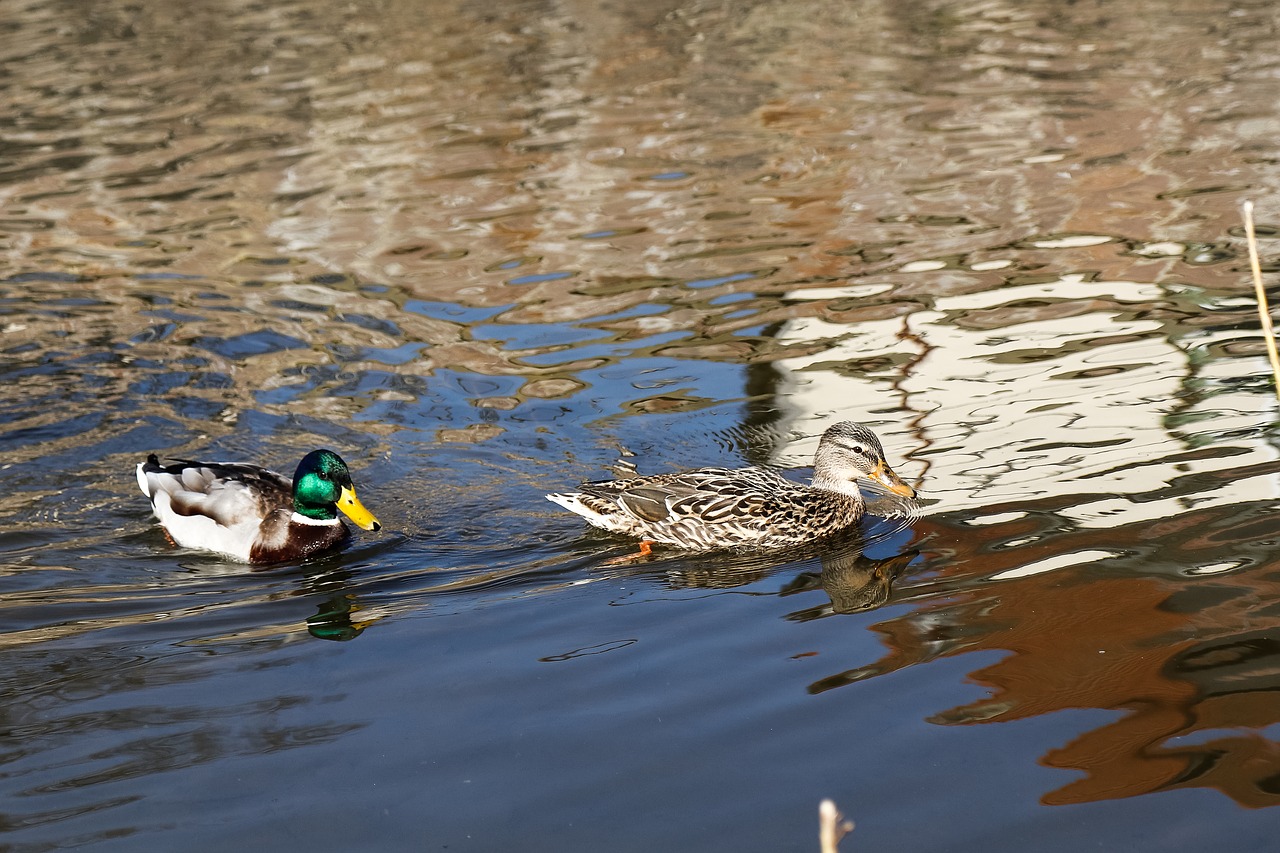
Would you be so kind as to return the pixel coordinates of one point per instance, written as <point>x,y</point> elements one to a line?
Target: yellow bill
<point>354,510</point>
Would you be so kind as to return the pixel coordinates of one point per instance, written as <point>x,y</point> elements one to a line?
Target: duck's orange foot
<point>646,550</point>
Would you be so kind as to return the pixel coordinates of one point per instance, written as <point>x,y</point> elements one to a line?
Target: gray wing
<point>228,493</point>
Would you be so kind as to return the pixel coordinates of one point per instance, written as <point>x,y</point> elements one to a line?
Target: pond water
<point>486,251</point>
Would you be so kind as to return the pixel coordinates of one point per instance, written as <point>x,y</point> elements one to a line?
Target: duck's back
<point>213,506</point>
<point>714,508</point>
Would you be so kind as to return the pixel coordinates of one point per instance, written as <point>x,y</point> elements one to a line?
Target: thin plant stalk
<point>1264,310</point>
<point>831,826</point>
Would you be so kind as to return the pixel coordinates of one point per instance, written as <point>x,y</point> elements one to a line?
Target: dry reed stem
<point>831,826</point>
<point>1264,310</point>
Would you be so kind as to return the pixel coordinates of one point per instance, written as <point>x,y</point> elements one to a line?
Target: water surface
<point>485,253</point>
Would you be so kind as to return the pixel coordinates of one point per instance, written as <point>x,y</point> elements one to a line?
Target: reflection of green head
<point>318,484</point>
<point>334,622</point>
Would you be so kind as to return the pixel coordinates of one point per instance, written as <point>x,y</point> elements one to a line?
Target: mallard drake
<point>253,514</point>
<point>745,507</point>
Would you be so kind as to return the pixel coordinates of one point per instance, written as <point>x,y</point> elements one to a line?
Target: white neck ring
<point>299,518</point>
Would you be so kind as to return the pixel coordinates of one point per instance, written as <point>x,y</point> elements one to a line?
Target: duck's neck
<point>841,486</point>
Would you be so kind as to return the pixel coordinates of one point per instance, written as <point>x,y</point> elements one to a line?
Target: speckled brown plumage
<point>744,507</point>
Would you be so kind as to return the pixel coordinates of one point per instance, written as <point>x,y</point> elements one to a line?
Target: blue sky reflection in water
<point>487,253</point>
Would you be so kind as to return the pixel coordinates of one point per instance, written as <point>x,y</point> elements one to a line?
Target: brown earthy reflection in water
<point>490,249</point>
<point>1190,671</point>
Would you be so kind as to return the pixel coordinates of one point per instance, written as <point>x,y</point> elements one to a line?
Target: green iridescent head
<point>322,486</point>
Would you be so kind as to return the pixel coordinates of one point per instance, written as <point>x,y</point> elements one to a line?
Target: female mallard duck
<point>746,507</point>
<point>252,514</point>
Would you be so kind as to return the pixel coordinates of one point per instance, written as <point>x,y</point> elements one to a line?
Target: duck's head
<point>848,451</point>
<point>322,486</point>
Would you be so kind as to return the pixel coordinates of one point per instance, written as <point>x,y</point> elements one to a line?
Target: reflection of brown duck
<point>854,583</point>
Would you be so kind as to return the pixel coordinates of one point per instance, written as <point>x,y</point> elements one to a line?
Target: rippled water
<point>485,252</point>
